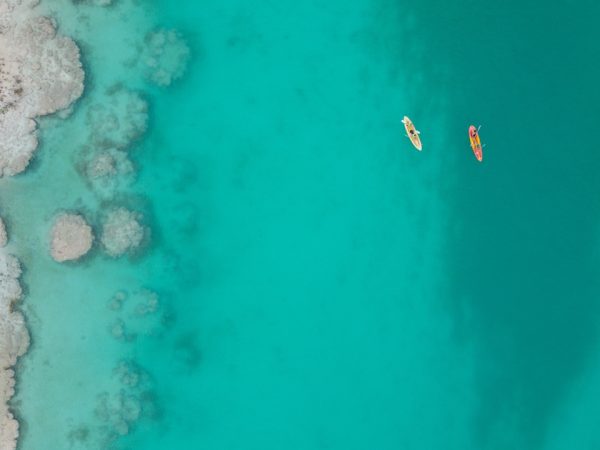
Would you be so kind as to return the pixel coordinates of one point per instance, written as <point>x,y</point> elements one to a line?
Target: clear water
<point>321,283</point>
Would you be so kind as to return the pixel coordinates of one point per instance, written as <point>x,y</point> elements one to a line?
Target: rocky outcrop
<point>71,237</point>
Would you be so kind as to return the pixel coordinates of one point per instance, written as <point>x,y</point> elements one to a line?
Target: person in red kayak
<point>476,143</point>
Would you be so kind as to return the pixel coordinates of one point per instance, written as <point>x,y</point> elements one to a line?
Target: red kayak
<point>476,142</point>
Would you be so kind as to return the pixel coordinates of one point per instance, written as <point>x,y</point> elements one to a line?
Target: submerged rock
<point>116,302</point>
<point>129,373</point>
<point>108,171</point>
<point>165,56</point>
<point>118,120</point>
<point>102,165</point>
<point>71,237</point>
<point>40,73</point>
<point>126,403</point>
<point>140,313</point>
<point>119,331</point>
<point>122,232</point>
<point>147,303</point>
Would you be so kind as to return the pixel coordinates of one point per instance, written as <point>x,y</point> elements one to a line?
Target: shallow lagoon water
<point>322,284</point>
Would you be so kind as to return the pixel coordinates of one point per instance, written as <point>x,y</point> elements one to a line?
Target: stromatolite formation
<point>71,237</point>
<point>122,232</point>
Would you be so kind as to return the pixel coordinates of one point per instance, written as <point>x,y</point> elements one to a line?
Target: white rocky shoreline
<point>40,73</point>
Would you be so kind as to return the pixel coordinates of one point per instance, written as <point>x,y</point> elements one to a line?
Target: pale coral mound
<point>122,232</point>
<point>71,237</point>
<point>40,73</point>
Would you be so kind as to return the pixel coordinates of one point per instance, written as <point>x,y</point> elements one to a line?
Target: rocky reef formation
<point>128,400</point>
<point>108,164</point>
<point>71,237</point>
<point>107,171</point>
<point>122,232</point>
<point>40,73</point>
<point>119,120</point>
<point>14,341</point>
<point>116,122</point>
<point>165,56</point>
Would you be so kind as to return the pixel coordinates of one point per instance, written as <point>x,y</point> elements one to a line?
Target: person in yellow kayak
<point>412,133</point>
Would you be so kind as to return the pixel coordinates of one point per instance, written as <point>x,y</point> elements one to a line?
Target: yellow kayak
<point>412,133</point>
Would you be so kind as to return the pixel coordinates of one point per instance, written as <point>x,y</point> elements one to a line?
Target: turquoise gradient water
<point>322,284</point>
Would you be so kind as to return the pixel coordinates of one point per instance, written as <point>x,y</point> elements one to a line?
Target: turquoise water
<point>321,284</point>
